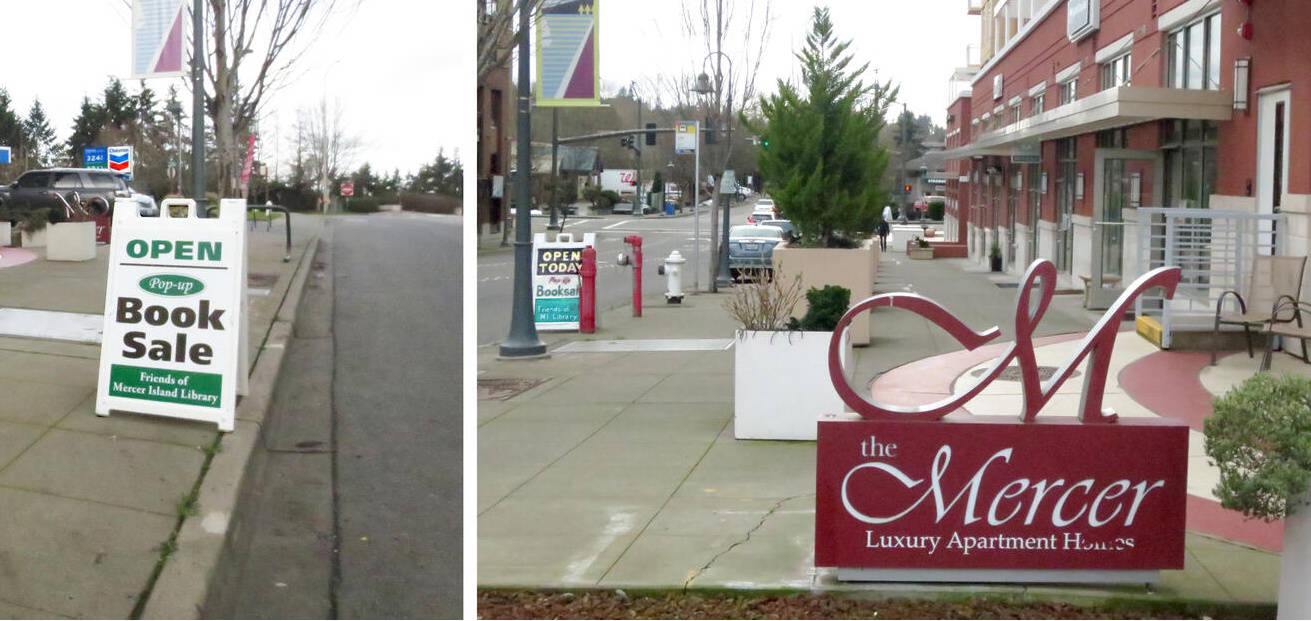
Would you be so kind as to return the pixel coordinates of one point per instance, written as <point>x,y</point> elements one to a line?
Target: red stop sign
<point>348,188</point>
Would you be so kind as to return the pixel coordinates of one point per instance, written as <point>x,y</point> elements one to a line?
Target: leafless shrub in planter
<point>766,304</point>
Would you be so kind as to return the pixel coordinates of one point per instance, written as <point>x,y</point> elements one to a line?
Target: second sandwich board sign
<point>175,319</point>
<point>556,280</point>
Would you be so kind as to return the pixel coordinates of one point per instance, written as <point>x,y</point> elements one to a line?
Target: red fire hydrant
<point>636,242</point>
<point>587,294</point>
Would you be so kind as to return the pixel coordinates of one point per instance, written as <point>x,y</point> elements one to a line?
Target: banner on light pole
<point>158,37</point>
<point>568,57</point>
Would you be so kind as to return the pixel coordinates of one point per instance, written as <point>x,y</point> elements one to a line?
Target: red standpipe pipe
<point>587,294</point>
<point>636,242</point>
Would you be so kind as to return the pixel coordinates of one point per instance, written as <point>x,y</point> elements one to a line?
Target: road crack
<point>778,505</point>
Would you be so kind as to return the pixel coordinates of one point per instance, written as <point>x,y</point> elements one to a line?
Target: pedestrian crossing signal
<point>908,188</point>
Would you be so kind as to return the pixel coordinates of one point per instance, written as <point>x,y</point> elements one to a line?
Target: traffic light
<point>650,135</point>
<point>908,189</point>
<point>766,142</point>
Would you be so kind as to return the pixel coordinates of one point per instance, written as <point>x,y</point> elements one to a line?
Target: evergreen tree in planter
<point>824,164</point>
<point>1260,438</point>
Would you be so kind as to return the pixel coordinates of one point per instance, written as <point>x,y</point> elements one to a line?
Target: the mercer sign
<point>904,488</point>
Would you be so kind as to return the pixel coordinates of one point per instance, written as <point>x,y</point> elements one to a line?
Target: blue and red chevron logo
<point>121,161</point>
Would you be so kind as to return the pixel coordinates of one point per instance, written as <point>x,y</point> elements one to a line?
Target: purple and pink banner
<point>568,60</point>
<point>158,38</point>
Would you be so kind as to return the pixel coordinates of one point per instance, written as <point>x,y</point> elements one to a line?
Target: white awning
<point>1114,107</point>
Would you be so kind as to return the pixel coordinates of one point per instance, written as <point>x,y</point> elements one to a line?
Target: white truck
<point>619,180</point>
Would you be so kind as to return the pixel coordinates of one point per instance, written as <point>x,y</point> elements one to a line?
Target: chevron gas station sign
<point>120,160</point>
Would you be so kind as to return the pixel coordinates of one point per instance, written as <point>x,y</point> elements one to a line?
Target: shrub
<point>361,204</point>
<point>826,307</point>
<point>1260,437</point>
<point>937,207</point>
<point>608,199</point>
<point>430,203</point>
<point>766,304</point>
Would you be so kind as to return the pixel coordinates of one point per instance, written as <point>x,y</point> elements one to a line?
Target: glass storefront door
<point>1123,179</point>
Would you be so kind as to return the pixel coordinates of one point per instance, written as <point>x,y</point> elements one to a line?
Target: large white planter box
<point>855,269</point>
<point>34,239</point>
<point>1295,562</point>
<point>781,384</point>
<point>6,233</point>
<point>71,241</point>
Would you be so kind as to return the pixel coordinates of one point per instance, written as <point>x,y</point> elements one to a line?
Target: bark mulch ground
<point>616,604</point>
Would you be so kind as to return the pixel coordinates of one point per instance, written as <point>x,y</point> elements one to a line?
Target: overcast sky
<point>392,64</point>
<point>917,43</point>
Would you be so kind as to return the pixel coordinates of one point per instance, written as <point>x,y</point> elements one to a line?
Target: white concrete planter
<point>781,384</point>
<point>6,233</point>
<point>34,239</point>
<point>1295,562</point>
<point>71,241</point>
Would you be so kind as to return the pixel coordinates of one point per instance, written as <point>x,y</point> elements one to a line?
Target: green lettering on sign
<point>173,285</point>
<point>185,387</point>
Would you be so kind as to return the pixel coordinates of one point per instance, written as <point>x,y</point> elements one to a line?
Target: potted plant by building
<point>781,384</point>
<point>919,248</point>
<point>825,166</point>
<point>994,257</point>
<point>1260,438</point>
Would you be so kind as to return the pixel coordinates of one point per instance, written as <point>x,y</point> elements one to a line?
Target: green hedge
<point>361,204</point>
<point>937,208</point>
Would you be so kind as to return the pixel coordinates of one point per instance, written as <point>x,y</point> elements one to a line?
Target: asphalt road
<point>371,529</point>
<point>660,236</point>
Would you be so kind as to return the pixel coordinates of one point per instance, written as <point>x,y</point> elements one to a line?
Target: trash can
<point>669,209</point>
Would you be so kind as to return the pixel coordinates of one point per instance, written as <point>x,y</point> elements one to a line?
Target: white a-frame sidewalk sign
<point>175,339</point>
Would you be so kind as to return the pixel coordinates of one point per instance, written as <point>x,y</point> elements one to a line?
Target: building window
<point>1035,105</point>
<point>1116,72</point>
<point>1194,59</point>
<point>1190,162</point>
<point>1113,138</point>
<point>1015,113</point>
<point>1069,90</point>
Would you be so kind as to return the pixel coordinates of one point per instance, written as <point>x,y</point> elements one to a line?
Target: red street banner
<point>994,493</point>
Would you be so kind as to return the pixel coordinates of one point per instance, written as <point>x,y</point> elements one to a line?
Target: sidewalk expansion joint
<point>778,505</point>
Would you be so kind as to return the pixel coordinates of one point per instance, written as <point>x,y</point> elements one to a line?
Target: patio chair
<point>1291,327</point>
<point>1272,278</point>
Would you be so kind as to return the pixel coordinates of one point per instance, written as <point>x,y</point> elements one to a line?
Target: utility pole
<point>637,147</point>
<point>522,340</point>
<point>555,170</point>
<point>901,170</point>
<point>197,106</point>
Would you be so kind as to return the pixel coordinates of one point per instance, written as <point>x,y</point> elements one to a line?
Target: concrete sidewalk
<point>91,503</point>
<point>620,469</point>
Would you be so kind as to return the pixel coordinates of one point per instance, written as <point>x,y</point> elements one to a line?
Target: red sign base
<point>1045,501</point>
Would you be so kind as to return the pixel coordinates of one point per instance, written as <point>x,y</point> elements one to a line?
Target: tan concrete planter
<point>33,239</point>
<point>856,269</point>
<point>71,241</point>
<point>920,253</point>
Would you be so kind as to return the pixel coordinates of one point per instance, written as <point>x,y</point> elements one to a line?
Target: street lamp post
<point>522,340</point>
<point>722,277</point>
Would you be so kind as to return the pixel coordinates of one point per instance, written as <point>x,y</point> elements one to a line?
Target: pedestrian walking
<point>883,230</point>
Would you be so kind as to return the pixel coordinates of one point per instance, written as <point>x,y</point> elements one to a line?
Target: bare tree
<point>329,146</point>
<point>253,47</point>
<point>498,33</point>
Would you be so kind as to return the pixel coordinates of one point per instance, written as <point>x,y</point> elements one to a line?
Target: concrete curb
<point>184,581</point>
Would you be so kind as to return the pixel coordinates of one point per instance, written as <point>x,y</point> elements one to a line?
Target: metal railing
<point>286,217</point>
<point>1215,250</point>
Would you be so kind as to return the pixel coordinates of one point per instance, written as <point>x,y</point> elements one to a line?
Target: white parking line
<point>619,223</point>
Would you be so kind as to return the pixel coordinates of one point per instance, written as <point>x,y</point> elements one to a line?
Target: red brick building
<point>1084,111</point>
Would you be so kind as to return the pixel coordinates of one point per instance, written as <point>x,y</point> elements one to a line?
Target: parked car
<point>765,202</point>
<point>751,249</point>
<point>761,214</point>
<point>743,192</point>
<point>54,188</point>
<point>790,232</point>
